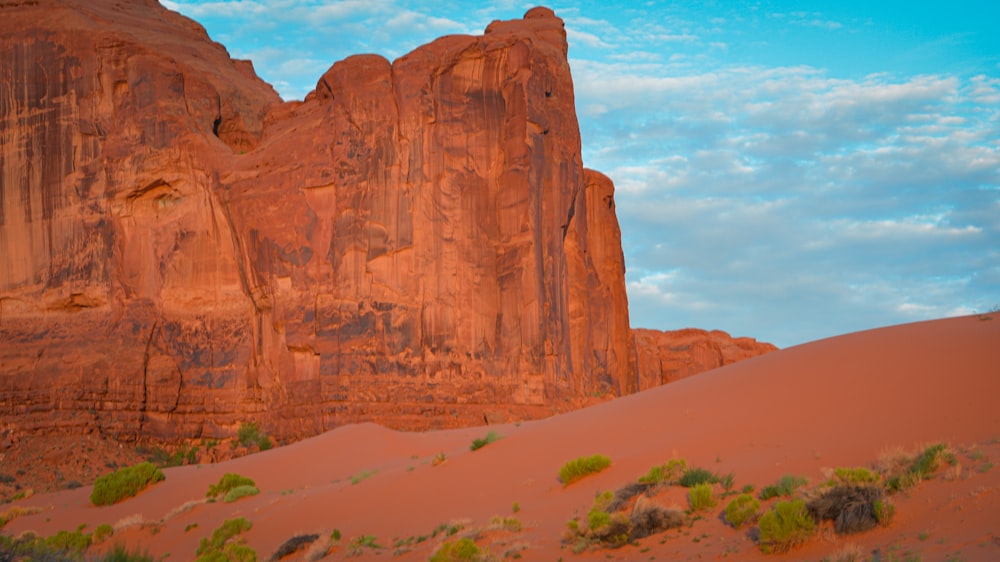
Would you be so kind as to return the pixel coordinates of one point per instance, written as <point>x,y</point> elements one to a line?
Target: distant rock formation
<point>416,243</point>
<point>663,357</point>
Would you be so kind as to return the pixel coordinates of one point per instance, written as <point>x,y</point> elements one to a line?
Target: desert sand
<point>838,402</point>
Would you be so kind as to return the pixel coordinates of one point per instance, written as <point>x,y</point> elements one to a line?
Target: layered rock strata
<point>416,243</point>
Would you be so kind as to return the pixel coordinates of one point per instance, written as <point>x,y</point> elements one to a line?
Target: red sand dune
<point>836,402</point>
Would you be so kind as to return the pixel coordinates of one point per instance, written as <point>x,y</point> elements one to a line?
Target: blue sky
<point>785,170</point>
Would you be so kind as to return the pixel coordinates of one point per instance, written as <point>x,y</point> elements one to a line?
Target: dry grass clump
<point>852,508</point>
<point>785,486</point>
<point>15,512</point>
<point>664,473</point>
<point>606,527</point>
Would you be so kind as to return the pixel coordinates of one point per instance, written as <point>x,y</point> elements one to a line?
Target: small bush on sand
<point>240,492</point>
<point>511,524</point>
<point>743,509</point>
<point>919,468</point>
<point>786,486</point>
<point>102,533</point>
<point>664,473</point>
<point>229,481</point>
<point>125,483</point>
<point>484,441</point>
<point>462,550</point>
<point>578,468</point>
<point>785,526</point>
<point>850,507</point>
<point>225,543</point>
<point>605,526</point>
<point>701,496</point>
<point>694,476</point>
<point>358,545</point>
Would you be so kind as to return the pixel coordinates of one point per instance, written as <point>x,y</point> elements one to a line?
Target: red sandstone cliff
<point>417,242</point>
<point>663,357</point>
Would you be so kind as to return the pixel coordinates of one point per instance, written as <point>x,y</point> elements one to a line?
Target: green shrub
<point>490,437</point>
<point>930,460</point>
<point>695,476</point>
<point>125,483</point>
<point>884,512</point>
<point>240,492</point>
<point>210,549</point>
<point>578,468</point>
<point>462,550</point>
<point>69,541</point>
<point>786,486</point>
<point>102,532</point>
<point>249,434</point>
<point>787,525</point>
<point>229,481</point>
<point>664,473</point>
<point>358,545</point>
<point>742,509</point>
<point>701,496</point>
<point>363,475</point>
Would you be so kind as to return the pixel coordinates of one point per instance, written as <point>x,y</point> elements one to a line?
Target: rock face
<point>417,243</point>
<point>663,357</point>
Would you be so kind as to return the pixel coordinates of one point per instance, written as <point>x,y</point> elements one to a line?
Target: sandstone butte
<point>417,243</point>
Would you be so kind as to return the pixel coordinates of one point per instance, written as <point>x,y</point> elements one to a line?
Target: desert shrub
<point>608,527</point>
<point>624,495</point>
<point>701,496</point>
<point>884,511</point>
<point>293,545</point>
<point>512,524</point>
<point>578,468</point>
<point>240,492</point>
<point>930,460</point>
<point>484,441</point>
<point>919,468</point>
<point>358,545</point>
<point>664,473</point>
<point>125,483</point>
<point>856,476</point>
<point>649,518</point>
<point>785,526</point>
<point>102,532</point>
<point>221,546</point>
<point>694,476</point>
<point>69,541</point>
<point>785,486</point>
<point>850,507</point>
<point>462,550</point>
<point>743,509</point>
<point>227,482</point>
<point>249,434</point>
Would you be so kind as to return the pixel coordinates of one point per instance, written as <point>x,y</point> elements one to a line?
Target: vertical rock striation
<point>417,243</point>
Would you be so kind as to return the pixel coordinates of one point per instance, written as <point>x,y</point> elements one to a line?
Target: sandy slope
<point>836,402</point>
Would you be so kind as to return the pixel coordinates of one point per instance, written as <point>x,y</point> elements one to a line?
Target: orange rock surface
<point>663,357</point>
<point>416,243</point>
